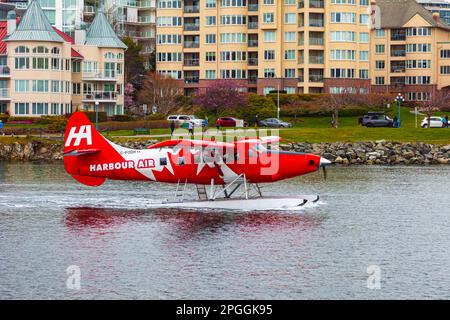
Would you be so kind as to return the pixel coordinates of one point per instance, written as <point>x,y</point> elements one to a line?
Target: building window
<point>379,80</point>
<point>22,49</point>
<point>289,90</point>
<point>364,19</point>
<point>170,4</point>
<point>379,48</point>
<point>233,56</point>
<point>55,86</point>
<point>268,17</point>
<point>168,21</point>
<point>289,36</point>
<point>40,50</point>
<point>289,73</point>
<point>289,2</point>
<point>210,74</point>
<point>342,73</point>
<point>289,18</point>
<point>76,66</point>
<point>364,2</point>
<point>269,36</point>
<point>210,3</point>
<point>22,63</point>
<point>445,54</point>
<point>40,63</point>
<point>269,54</point>
<point>233,3</point>
<point>418,32</point>
<point>56,63</point>
<point>21,108</point>
<point>210,38</point>
<point>210,56</point>
<point>418,47</point>
<point>445,69</point>
<point>22,86</point>
<point>364,55</point>
<point>268,90</point>
<point>233,38</point>
<point>55,51</point>
<point>343,17</point>
<point>233,20</point>
<point>342,36</point>
<point>211,20</point>
<point>76,88</point>
<point>233,74</point>
<point>56,108</point>
<point>364,37</point>
<point>379,64</point>
<point>289,54</point>
<point>269,2</point>
<point>40,86</point>
<point>40,108</point>
<point>269,73</point>
<point>364,74</point>
<point>343,55</point>
<point>380,33</point>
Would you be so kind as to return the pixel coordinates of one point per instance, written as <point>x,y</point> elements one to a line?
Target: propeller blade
<point>324,173</point>
<point>323,164</point>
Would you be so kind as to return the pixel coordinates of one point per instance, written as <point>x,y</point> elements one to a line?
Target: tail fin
<point>84,145</point>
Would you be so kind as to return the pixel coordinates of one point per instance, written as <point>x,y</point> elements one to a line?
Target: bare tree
<point>439,100</point>
<point>345,97</point>
<point>161,91</point>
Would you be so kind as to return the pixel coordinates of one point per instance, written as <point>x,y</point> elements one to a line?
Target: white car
<point>182,118</point>
<point>435,122</point>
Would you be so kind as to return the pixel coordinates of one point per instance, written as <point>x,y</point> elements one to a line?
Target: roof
<point>34,26</point>
<point>3,33</point>
<point>101,34</point>
<point>396,13</point>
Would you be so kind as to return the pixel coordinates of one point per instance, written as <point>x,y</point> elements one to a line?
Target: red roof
<point>4,32</point>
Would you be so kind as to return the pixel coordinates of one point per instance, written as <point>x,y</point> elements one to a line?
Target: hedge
<point>102,116</point>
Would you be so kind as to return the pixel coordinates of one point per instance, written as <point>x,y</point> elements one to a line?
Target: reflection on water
<point>370,216</point>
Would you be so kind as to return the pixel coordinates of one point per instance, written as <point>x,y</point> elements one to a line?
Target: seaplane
<point>226,175</point>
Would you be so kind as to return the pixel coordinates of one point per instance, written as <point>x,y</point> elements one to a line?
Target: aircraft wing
<point>80,152</point>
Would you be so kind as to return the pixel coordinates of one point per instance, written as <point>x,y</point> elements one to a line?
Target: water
<point>396,218</point>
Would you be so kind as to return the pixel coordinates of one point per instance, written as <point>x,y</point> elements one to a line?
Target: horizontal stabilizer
<point>89,181</point>
<point>80,152</point>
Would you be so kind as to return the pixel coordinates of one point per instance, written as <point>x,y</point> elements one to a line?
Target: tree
<point>439,100</point>
<point>161,91</point>
<point>222,95</point>
<point>337,101</point>
<point>129,93</point>
<point>134,63</point>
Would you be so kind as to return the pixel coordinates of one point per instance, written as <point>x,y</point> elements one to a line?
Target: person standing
<point>256,121</point>
<point>191,127</point>
<point>172,128</point>
<point>443,122</point>
<point>446,121</point>
<point>395,122</point>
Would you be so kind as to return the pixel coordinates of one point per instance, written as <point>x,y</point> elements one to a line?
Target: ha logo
<point>83,133</point>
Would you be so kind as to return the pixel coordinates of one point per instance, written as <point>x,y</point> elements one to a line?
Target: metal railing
<point>398,37</point>
<point>398,69</point>
<point>301,79</point>
<point>100,75</point>
<point>316,78</point>
<point>191,9</point>
<point>252,43</point>
<point>4,93</point>
<point>253,24</point>
<point>315,41</point>
<point>316,22</point>
<point>101,96</point>
<point>191,44</point>
<point>194,79</point>
<point>252,7</point>
<point>398,53</point>
<point>252,61</point>
<point>315,59</point>
<point>146,19</point>
<point>252,80</point>
<point>316,4</point>
<point>191,62</point>
<point>191,27</point>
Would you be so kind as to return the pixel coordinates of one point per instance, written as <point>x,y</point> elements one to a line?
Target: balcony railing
<point>138,34</point>
<point>5,71</point>
<point>252,80</point>
<point>252,43</point>
<point>315,41</point>
<point>398,37</point>
<point>191,44</point>
<point>301,4</point>
<point>100,96</point>
<point>316,4</point>
<point>315,78</point>
<point>397,69</point>
<point>146,19</point>
<point>398,53</point>
<point>252,7</point>
<point>193,79</point>
<point>4,93</point>
<point>100,75</point>
<point>192,62</point>
<point>191,27</point>
<point>314,59</point>
<point>191,9</point>
<point>137,3</point>
<point>252,61</point>
<point>301,79</point>
<point>253,25</point>
<point>316,22</point>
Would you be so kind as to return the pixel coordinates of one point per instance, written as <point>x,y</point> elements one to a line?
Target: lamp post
<point>399,100</point>
<point>96,114</point>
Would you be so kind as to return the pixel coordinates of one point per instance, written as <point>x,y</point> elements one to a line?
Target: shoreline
<point>345,153</point>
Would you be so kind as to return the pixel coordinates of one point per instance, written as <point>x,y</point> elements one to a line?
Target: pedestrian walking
<point>395,122</point>
<point>191,127</point>
<point>446,121</point>
<point>256,121</point>
<point>172,127</point>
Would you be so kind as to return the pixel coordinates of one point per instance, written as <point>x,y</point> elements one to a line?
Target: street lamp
<point>399,99</point>
<point>96,114</point>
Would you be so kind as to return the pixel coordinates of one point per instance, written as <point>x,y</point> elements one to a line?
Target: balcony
<point>398,53</point>
<point>253,24</point>
<point>100,96</point>
<point>191,9</point>
<point>5,72</point>
<point>316,22</point>
<point>146,19</point>
<point>252,7</point>
<point>191,27</point>
<point>138,34</point>
<point>316,4</point>
<point>252,61</point>
<point>316,78</point>
<point>316,59</point>
<point>4,94</point>
<point>398,35</point>
<point>192,79</point>
<point>397,69</point>
<point>100,75</point>
<point>252,43</point>
<point>301,78</point>
<point>194,62</point>
<point>252,80</point>
<point>191,44</point>
<point>315,41</point>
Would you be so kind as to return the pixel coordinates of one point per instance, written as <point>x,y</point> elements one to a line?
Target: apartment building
<point>440,6</point>
<point>300,46</point>
<point>44,71</point>
<point>410,53</point>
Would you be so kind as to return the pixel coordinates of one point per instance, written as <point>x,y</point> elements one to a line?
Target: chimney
<point>11,22</point>
<point>80,35</point>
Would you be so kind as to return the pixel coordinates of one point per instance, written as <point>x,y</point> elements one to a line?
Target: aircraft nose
<point>324,162</point>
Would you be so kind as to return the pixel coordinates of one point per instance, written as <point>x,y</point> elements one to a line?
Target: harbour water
<point>392,219</point>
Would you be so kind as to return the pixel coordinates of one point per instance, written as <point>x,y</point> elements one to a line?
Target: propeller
<point>323,164</point>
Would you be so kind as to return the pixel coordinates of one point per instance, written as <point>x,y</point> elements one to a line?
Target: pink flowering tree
<point>129,95</point>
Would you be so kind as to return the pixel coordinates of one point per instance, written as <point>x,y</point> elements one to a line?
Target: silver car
<point>274,123</point>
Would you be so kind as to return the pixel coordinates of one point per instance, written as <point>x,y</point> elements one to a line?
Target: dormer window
<point>22,49</point>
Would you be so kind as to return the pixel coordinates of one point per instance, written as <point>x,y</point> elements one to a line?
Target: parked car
<point>182,119</point>
<point>435,122</point>
<point>375,119</point>
<point>275,123</point>
<point>230,122</point>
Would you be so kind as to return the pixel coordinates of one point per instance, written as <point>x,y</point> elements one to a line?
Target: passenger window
<point>163,161</point>
<point>181,161</point>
